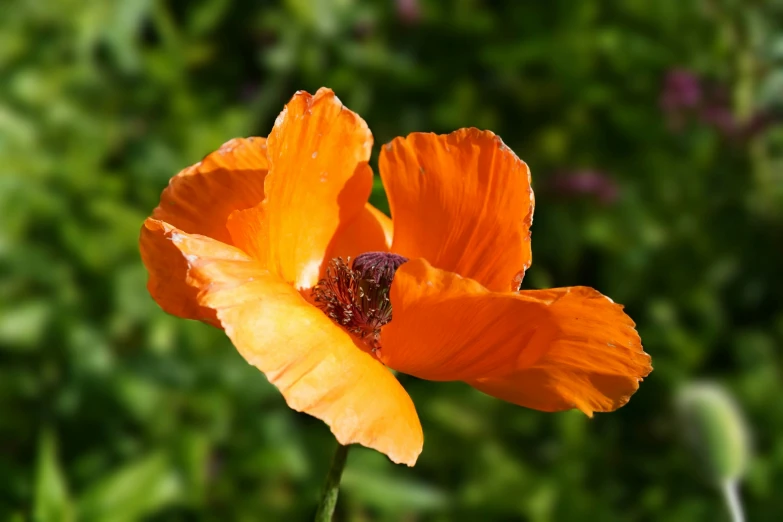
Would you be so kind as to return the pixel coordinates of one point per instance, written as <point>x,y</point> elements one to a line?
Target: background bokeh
<point>652,131</point>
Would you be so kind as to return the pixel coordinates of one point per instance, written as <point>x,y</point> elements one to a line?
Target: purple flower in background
<point>684,95</point>
<point>721,118</point>
<point>409,11</point>
<point>681,91</point>
<point>586,183</point>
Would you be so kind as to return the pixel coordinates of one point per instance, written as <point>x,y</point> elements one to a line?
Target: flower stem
<point>332,486</point>
<point>733,501</point>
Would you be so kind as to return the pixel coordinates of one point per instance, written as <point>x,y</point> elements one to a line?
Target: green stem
<point>731,495</point>
<point>332,486</point>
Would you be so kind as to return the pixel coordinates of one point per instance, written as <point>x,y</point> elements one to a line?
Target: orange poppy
<point>257,237</point>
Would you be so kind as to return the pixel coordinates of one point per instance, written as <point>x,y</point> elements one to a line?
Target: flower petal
<point>369,231</point>
<point>595,363</point>
<point>573,346</point>
<point>200,198</point>
<point>445,327</point>
<point>249,232</point>
<point>313,362</point>
<point>319,179</point>
<point>463,201</point>
<point>168,269</point>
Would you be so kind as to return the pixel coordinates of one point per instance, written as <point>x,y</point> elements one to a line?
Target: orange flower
<point>241,240</point>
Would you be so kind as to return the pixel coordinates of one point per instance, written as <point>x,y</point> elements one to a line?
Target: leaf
<point>391,494</point>
<point>135,490</point>
<point>52,502</point>
<point>23,326</point>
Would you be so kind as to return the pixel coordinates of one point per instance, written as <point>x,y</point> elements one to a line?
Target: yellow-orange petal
<point>319,179</point>
<point>167,267</point>
<point>250,232</point>
<point>463,201</point>
<point>369,231</point>
<point>312,361</point>
<point>577,347</point>
<point>200,198</point>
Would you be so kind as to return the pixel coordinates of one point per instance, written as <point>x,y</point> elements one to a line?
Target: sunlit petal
<point>579,348</point>
<point>462,201</point>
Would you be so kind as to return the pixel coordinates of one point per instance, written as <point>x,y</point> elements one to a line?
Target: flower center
<point>357,298</point>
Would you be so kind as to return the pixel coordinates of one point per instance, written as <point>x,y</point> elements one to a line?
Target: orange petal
<point>199,199</point>
<point>594,364</point>
<point>445,327</point>
<point>369,231</point>
<point>168,269</point>
<point>463,201</point>
<point>249,232</point>
<point>549,349</point>
<point>313,362</point>
<point>319,179</point>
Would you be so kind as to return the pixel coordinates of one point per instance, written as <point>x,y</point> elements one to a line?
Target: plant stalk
<point>332,487</point>
<point>731,494</point>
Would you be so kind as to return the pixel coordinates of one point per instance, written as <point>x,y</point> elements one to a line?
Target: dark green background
<point>110,410</point>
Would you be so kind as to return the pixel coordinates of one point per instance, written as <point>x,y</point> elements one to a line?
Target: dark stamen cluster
<point>357,297</point>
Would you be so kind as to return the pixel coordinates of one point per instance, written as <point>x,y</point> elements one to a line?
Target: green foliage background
<point>110,410</point>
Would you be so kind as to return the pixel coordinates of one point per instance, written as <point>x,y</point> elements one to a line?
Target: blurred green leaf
<point>131,492</point>
<point>52,501</point>
<point>392,495</point>
<point>24,325</point>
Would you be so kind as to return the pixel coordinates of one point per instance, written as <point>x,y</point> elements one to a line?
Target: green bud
<point>713,426</point>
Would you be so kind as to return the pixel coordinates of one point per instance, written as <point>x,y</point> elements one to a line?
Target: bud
<point>714,428</point>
